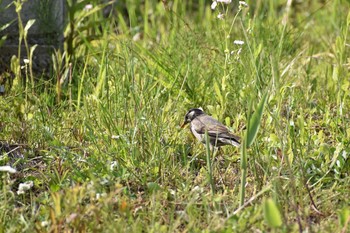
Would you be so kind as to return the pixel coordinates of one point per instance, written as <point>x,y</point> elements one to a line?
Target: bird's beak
<point>184,124</point>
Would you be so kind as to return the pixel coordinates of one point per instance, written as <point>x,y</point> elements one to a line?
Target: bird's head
<point>192,114</point>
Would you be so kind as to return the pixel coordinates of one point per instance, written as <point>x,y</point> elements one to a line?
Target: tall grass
<point>101,140</point>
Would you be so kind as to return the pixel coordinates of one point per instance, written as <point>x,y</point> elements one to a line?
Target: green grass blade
<point>254,122</point>
<point>271,214</point>
<point>243,173</point>
<point>209,165</point>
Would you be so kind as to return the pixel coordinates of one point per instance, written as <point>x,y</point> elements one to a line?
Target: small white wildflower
<point>180,212</point>
<point>7,169</point>
<point>24,187</point>
<point>137,37</point>
<point>88,7</point>
<point>291,123</point>
<point>44,223</point>
<point>71,217</point>
<point>221,16</point>
<point>243,4</point>
<point>213,5</point>
<point>104,181</point>
<point>115,136</point>
<point>26,61</point>
<point>344,154</point>
<point>113,164</point>
<point>99,195</point>
<point>225,1</point>
<point>338,163</point>
<point>238,42</point>
<point>172,192</point>
<point>197,189</point>
<point>137,209</point>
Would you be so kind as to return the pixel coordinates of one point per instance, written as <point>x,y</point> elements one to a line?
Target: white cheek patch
<point>190,115</point>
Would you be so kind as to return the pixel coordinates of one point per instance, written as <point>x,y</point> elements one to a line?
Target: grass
<point>101,141</point>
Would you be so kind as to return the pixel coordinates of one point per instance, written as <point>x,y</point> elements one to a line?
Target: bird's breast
<point>200,137</point>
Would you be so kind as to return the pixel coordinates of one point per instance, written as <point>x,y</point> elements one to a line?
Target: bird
<point>219,135</point>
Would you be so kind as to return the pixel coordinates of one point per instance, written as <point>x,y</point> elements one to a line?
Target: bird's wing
<point>214,128</point>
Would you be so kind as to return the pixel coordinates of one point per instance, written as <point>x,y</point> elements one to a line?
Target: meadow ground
<point>100,138</point>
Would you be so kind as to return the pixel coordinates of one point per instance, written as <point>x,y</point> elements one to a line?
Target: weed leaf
<point>254,122</point>
<point>271,214</point>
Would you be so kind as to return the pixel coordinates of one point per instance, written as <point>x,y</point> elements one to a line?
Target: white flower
<point>197,189</point>
<point>24,187</point>
<point>26,61</point>
<point>172,192</point>
<point>344,154</point>
<point>88,7</point>
<point>113,165</point>
<point>220,16</point>
<point>100,195</point>
<point>213,5</point>
<point>7,169</point>
<point>239,42</point>
<point>225,1</point>
<point>44,223</point>
<point>71,217</point>
<point>243,4</point>
<point>338,163</point>
<point>137,37</point>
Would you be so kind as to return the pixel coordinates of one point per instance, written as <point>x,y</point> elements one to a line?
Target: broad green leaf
<point>28,25</point>
<point>272,214</point>
<point>218,93</point>
<point>2,40</point>
<point>3,27</point>
<point>254,122</point>
<point>228,121</point>
<point>31,52</point>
